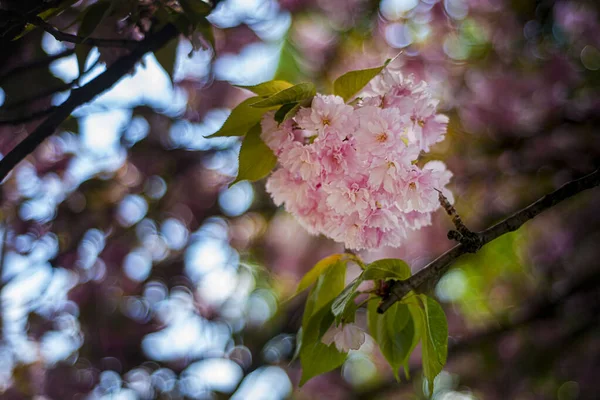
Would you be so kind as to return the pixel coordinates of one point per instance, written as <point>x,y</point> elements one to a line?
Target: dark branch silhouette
<point>85,94</point>
<point>45,93</point>
<point>434,270</point>
<point>67,37</point>
<point>40,63</point>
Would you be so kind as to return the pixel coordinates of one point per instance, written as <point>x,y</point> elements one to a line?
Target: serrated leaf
<point>256,159</point>
<point>344,307</point>
<point>283,111</point>
<point>268,88</point>
<point>328,285</point>
<point>92,17</point>
<point>349,84</point>
<point>293,94</point>
<point>387,268</point>
<point>434,337</point>
<point>395,333</point>
<point>292,111</point>
<point>166,57</point>
<point>319,268</point>
<point>315,357</point>
<point>242,118</point>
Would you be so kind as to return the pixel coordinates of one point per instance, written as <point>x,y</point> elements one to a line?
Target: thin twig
<point>85,94</point>
<point>50,91</point>
<point>434,270</point>
<point>67,37</point>
<point>43,62</point>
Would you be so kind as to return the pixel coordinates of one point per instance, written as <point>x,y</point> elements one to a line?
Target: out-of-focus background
<point>129,270</point>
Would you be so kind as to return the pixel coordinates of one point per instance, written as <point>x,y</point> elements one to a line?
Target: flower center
<point>412,186</point>
<point>418,121</point>
<point>325,121</point>
<point>382,137</point>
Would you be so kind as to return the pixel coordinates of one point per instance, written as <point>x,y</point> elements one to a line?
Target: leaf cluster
<point>415,319</point>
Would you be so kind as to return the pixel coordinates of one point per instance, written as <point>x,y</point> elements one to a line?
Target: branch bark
<point>434,270</point>
<point>85,94</point>
<point>67,37</point>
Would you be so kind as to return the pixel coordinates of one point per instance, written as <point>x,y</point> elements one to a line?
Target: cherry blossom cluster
<point>349,171</point>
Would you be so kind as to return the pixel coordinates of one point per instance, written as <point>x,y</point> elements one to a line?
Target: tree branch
<point>434,270</point>
<point>50,91</point>
<point>67,37</point>
<point>543,306</point>
<point>83,95</point>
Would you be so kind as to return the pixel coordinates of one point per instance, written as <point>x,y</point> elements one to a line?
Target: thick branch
<point>434,270</point>
<point>83,95</point>
<point>67,37</point>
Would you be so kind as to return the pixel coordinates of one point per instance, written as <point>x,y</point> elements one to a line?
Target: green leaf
<point>434,347</point>
<point>395,333</point>
<point>295,93</point>
<point>268,88</point>
<point>387,268</point>
<point>283,111</point>
<point>298,346</point>
<point>92,17</point>
<point>344,307</point>
<point>316,357</point>
<point>352,82</point>
<point>45,15</point>
<point>166,57</point>
<point>320,267</point>
<point>195,10</point>
<point>289,68</point>
<point>327,287</point>
<point>256,159</point>
<point>242,118</point>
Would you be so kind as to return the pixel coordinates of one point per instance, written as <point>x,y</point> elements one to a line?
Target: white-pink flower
<point>380,132</point>
<point>301,160</point>
<point>345,336</point>
<point>327,112</point>
<point>350,172</point>
<point>276,136</point>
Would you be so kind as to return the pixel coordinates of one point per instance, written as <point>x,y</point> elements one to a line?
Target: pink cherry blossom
<point>350,172</point>
<point>327,112</point>
<point>276,136</point>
